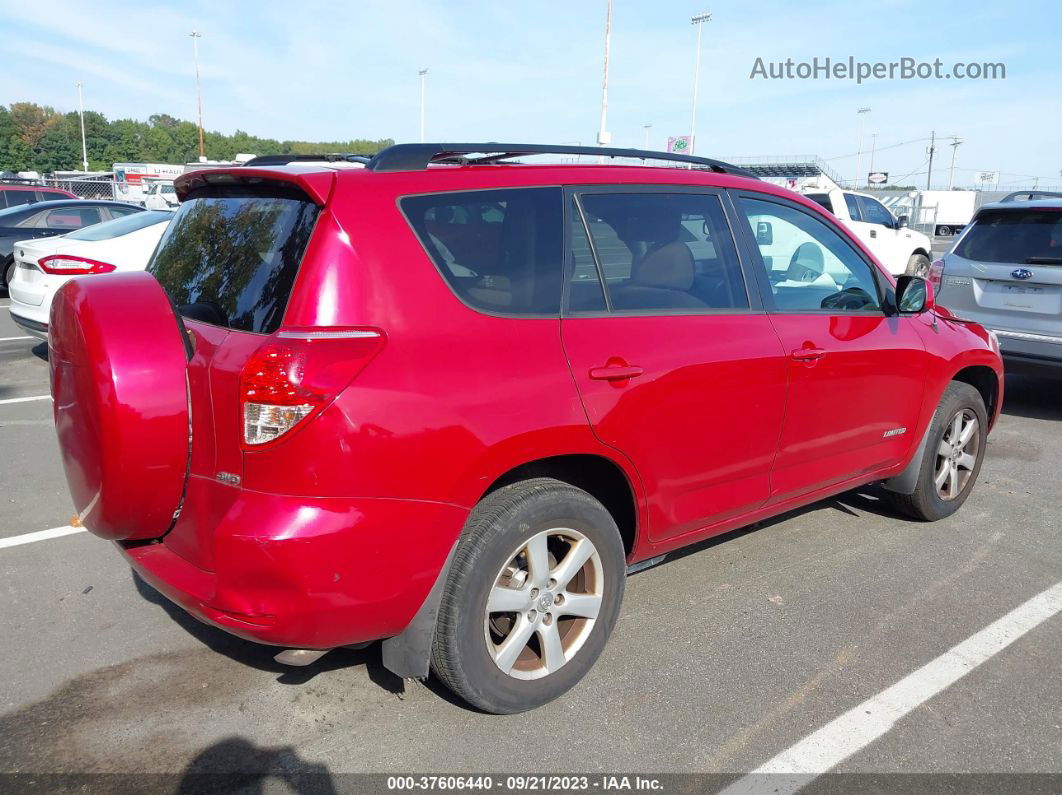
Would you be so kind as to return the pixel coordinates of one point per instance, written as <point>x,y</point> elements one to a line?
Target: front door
<point>856,367</point>
<point>676,367</point>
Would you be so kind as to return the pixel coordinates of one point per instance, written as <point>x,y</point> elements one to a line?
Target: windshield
<point>120,226</point>
<point>231,254</point>
<point>1015,236</point>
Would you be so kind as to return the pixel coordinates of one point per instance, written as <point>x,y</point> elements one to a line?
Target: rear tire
<point>950,465</point>
<point>918,265</point>
<point>531,598</point>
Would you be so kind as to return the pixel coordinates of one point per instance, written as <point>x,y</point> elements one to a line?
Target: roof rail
<point>1031,195</point>
<point>416,157</point>
<point>283,160</point>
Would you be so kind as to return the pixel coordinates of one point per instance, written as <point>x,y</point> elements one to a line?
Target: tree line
<point>39,138</point>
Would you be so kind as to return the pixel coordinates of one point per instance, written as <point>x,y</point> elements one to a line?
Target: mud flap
<point>408,654</point>
<point>907,481</point>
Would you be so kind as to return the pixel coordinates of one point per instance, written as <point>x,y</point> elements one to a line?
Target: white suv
<point>899,248</point>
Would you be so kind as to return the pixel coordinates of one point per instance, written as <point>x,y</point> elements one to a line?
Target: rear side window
<point>853,207</point>
<point>230,255</point>
<point>1017,236</point>
<point>19,197</point>
<point>500,250</point>
<point>661,251</point>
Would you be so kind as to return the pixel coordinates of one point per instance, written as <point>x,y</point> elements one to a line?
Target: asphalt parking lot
<point>722,659</point>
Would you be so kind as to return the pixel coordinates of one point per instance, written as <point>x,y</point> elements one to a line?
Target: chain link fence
<point>83,188</point>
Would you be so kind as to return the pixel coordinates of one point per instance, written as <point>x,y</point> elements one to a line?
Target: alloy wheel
<point>544,603</point>
<point>957,454</point>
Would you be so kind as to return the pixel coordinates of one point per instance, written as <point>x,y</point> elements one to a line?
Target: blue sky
<point>531,71</point>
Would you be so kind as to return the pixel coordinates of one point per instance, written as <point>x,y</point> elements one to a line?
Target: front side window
<point>663,251</point>
<point>874,212</point>
<point>810,267</point>
<point>500,251</point>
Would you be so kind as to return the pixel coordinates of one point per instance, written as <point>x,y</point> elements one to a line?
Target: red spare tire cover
<point>118,375</point>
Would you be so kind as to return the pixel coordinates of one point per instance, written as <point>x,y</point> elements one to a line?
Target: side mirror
<point>764,233</point>
<point>914,295</point>
<point>902,221</point>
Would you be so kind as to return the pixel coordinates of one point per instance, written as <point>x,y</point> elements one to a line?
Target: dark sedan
<point>46,219</point>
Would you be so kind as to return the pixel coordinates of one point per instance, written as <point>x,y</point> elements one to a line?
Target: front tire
<point>952,459</point>
<point>9,274</point>
<point>533,592</point>
<point>918,265</point>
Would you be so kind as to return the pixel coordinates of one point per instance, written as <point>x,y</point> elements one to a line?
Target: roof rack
<point>1031,195</point>
<point>283,160</point>
<point>416,157</point>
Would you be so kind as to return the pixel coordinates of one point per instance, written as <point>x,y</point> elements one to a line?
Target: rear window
<point>500,250</point>
<point>230,255</point>
<point>821,199</point>
<point>1017,236</point>
<point>120,226</point>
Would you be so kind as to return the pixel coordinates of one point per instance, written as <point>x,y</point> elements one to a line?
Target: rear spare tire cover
<point>119,386</point>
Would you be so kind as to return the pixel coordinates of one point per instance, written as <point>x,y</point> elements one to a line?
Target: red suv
<point>449,400</point>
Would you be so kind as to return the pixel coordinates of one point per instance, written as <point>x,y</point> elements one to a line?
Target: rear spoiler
<point>315,183</point>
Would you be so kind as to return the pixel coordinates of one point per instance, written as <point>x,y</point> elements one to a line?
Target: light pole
<point>423,83</point>
<point>196,35</point>
<point>604,138</point>
<point>647,128</point>
<point>955,142</point>
<point>859,152</point>
<point>81,113</point>
<point>698,22</point>
<point>873,149</point>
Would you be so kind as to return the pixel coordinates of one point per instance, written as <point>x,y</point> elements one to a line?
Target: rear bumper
<point>1030,352</point>
<point>309,573</point>
<point>33,327</point>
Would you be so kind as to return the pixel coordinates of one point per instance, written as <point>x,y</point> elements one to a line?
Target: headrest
<point>669,267</point>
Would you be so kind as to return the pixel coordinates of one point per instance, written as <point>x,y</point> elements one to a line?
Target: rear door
<point>676,363</point>
<point>228,262</point>
<point>856,372</point>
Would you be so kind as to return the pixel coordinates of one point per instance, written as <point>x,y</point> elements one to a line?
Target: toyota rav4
<point>449,399</point>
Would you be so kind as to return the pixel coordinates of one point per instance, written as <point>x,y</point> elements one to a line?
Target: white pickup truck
<point>897,247</point>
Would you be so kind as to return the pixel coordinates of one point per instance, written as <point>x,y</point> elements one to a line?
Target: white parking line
<point>40,535</point>
<point>800,764</point>
<point>9,339</point>
<point>25,399</point>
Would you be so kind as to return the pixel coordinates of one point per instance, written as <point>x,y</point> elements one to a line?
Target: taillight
<point>68,265</point>
<point>290,379</point>
<point>936,273</point>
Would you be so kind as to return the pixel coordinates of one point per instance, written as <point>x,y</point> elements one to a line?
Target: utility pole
<point>423,81</point>
<point>81,113</point>
<point>873,149</point>
<point>698,22</point>
<point>196,35</point>
<point>932,149</point>
<point>859,151</point>
<point>955,141</point>
<point>647,127</point>
<point>604,138</point>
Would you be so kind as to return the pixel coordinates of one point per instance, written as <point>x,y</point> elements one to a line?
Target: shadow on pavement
<point>1033,397</point>
<point>260,656</point>
<point>237,765</point>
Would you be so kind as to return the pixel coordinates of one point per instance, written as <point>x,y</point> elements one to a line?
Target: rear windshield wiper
<point>1044,261</point>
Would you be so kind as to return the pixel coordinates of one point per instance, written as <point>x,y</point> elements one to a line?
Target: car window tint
<point>810,267</point>
<point>17,197</point>
<point>500,250</point>
<point>853,207</point>
<point>669,251</point>
<point>585,293</point>
<point>120,226</point>
<point>821,199</point>
<point>874,212</point>
<point>119,212</point>
<point>71,217</point>
<point>1014,236</point>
